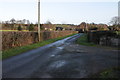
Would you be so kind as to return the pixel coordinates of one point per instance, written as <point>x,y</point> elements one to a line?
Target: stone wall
<point>109,41</point>
<point>106,38</point>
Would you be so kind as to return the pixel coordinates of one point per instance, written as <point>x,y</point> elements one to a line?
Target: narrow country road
<point>61,59</point>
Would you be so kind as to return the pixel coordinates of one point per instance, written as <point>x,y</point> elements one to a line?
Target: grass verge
<point>15,51</point>
<point>108,73</point>
<point>83,41</point>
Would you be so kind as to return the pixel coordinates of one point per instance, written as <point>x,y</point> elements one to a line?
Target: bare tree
<point>48,22</point>
<point>13,21</point>
<point>28,22</point>
<point>24,21</point>
<point>115,21</point>
<point>6,22</point>
<point>19,21</point>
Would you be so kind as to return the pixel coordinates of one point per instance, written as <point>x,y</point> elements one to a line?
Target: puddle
<point>72,50</point>
<point>60,47</point>
<point>58,64</point>
<point>52,55</point>
<point>63,69</point>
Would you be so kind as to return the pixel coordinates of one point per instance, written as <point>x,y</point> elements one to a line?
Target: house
<point>49,27</point>
<point>59,28</point>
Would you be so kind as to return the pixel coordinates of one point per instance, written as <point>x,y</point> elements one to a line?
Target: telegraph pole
<point>86,27</point>
<point>39,20</point>
<point>119,9</point>
<point>119,13</point>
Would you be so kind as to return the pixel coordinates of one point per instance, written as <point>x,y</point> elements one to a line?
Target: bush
<point>31,27</point>
<point>19,28</point>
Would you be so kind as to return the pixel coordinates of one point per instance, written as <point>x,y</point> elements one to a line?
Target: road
<point>61,59</point>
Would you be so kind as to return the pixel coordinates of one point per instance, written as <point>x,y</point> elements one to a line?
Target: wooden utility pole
<point>86,27</point>
<point>119,13</point>
<point>39,20</point>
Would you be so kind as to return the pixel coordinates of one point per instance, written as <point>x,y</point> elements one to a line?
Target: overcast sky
<point>60,11</point>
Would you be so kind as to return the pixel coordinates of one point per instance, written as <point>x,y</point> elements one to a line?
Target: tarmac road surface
<point>61,59</point>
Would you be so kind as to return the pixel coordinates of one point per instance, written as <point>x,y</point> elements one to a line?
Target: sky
<point>60,11</point>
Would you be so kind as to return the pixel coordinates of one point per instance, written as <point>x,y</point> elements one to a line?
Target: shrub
<point>19,28</point>
<point>31,27</point>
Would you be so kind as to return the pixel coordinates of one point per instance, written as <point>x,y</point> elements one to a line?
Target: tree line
<point>24,24</point>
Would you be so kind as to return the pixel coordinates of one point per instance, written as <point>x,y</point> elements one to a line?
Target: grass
<point>15,51</point>
<point>117,32</point>
<point>83,41</point>
<point>108,73</point>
